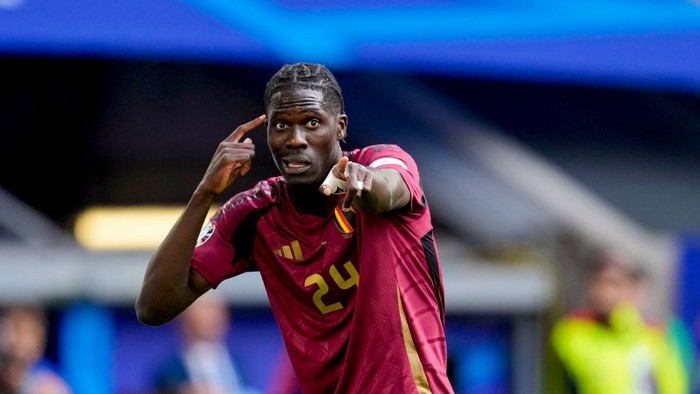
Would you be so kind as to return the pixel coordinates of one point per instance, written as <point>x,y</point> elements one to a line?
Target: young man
<point>343,242</point>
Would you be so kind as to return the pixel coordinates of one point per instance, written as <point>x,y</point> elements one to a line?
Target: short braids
<point>307,76</point>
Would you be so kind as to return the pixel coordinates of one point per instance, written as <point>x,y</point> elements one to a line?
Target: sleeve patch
<point>206,233</point>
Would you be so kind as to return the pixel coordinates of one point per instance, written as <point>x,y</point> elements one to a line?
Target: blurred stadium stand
<point>534,124</point>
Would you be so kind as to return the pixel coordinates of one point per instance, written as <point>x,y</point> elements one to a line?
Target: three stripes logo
<point>291,251</point>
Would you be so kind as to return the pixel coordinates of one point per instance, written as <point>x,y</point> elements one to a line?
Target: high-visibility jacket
<point>625,356</point>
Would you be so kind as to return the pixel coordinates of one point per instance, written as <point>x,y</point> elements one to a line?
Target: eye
<point>280,125</point>
<point>313,123</point>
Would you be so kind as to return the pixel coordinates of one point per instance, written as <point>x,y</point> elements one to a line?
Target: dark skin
<point>304,139</point>
<point>304,142</point>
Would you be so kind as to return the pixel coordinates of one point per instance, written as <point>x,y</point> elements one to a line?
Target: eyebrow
<point>297,112</point>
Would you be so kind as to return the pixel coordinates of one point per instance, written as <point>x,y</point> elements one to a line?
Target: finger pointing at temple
<point>245,128</point>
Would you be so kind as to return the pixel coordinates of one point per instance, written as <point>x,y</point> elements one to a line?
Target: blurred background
<point>540,128</point>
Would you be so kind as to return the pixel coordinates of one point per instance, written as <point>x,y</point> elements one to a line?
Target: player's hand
<point>231,159</point>
<point>352,178</point>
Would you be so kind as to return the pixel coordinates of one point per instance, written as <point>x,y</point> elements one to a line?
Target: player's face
<point>610,287</point>
<point>304,139</point>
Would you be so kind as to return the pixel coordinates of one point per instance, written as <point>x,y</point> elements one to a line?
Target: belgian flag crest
<point>344,220</point>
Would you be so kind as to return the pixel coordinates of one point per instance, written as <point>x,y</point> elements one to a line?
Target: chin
<point>302,180</point>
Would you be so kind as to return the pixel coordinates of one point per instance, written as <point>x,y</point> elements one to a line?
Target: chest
<point>312,260</point>
<point>302,245</point>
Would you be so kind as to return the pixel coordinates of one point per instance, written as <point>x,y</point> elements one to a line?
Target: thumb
<point>334,181</point>
<point>247,141</point>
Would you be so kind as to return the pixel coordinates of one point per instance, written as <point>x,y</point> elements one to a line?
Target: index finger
<point>342,163</point>
<point>245,128</point>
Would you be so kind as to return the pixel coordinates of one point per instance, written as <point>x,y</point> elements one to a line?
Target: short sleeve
<point>393,156</point>
<point>215,255</point>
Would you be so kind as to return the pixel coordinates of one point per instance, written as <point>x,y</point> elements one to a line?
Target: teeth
<point>295,164</point>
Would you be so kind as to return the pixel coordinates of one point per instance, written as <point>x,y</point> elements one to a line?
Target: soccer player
<point>343,241</point>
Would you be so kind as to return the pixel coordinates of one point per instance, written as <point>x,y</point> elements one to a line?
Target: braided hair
<point>307,76</point>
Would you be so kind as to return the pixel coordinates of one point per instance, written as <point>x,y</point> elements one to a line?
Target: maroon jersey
<point>358,297</point>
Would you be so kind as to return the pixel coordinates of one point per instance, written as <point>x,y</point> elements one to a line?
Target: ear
<point>342,127</point>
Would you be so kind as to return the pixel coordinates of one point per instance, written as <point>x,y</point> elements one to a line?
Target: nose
<point>297,139</point>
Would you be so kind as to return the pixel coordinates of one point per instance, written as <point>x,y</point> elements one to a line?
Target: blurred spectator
<point>678,334</point>
<point>203,364</point>
<point>607,347</point>
<point>23,367</point>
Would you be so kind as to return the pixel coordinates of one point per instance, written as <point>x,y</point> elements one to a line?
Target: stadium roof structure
<point>648,44</point>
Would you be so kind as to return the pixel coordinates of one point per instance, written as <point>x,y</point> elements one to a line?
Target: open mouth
<point>296,165</point>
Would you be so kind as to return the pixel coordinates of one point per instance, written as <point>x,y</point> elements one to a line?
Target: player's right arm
<point>170,285</point>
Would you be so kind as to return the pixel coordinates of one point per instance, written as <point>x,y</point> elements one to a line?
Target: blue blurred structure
<point>86,346</point>
<point>481,355</point>
<point>642,43</point>
<point>688,300</point>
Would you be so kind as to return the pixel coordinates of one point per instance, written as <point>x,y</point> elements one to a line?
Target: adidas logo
<point>291,251</point>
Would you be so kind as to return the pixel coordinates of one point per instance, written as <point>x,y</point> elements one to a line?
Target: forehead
<point>296,99</point>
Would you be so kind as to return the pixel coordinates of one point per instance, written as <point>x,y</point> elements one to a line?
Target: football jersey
<point>358,297</point>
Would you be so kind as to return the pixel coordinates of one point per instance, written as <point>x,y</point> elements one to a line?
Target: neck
<point>308,200</point>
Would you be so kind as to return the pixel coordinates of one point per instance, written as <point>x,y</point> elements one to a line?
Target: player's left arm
<point>374,190</point>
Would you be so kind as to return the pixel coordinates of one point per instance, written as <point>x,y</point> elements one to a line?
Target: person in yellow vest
<point>607,347</point>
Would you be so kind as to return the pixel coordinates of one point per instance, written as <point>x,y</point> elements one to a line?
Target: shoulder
<point>45,377</point>
<point>656,324</point>
<point>575,321</point>
<point>656,329</point>
<point>583,315</point>
<point>263,194</point>
<point>574,332</point>
<point>44,367</point>
<point>382,155</point>
<point>377,149</point>
<point>238,208</point>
